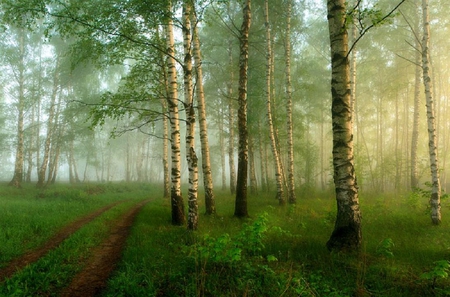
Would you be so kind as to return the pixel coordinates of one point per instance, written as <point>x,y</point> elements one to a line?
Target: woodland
<point>242,148</point>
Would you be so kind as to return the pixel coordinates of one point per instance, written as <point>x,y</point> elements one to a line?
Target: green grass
<point>278,251</point>
<point>29,217</point>
<point>399,245</point>
<point>55,270</point>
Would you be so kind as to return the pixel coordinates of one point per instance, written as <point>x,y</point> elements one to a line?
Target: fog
<point>90,105</point>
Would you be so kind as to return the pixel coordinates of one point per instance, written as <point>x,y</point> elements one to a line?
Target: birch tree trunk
<point>178,215</point>
<point>277,162</point>
<point>50,128</point>
<point>435,201</point>
<point>210,203</point>
<point>191,156</point>
<point>241,209</point>
<point>165,158</point>
<point>17,178</point>
<point>415,127</point>
<point>164,99</point>
<point>231,123</point>
<point>222,148</point>
<point>290,140</point>
<point>263,160</point>
<point>347,229</point>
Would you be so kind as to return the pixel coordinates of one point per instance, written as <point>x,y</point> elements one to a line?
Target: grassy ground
<point>280,251</point>
<point>28,217</point>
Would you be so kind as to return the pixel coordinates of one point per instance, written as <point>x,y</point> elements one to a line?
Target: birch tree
<point>191,156</point>
<point>241,186</point>
<point>273,140</point>
<point>19,75</point>
<point>210,203</point>
<point>290,140</point>
<point>435,200</point>
<point>178,215</point>
<point>347,229</point>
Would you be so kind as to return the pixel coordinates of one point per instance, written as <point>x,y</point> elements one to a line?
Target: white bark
<point>435,200</point>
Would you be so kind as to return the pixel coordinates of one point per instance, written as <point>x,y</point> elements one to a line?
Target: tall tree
<point>290,139</point>
<point>178,215</point>
<point>50,127</point>
<point>210,203</point>
<point>273,139</point>
<point>241,209</point>
<point>19,74</point>
<point>435,200</point>
<point>191,156</point>
<point>231,107</point>
<point>347,230</point>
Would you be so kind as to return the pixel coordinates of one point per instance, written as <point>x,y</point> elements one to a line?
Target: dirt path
<point>92,280</point>
<point>53,242</point>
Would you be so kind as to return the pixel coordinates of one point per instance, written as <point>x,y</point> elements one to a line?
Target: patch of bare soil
<point>32,256</point>
<point>93,278</point>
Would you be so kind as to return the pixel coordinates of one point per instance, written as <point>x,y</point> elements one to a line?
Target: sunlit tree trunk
<point>165,158</point>
<point>277,161</point>
<point>178,215</point>
<point>17,178</point>
<point>241,209</point>
<point>290,139</point>
<point>210,203</point>
<point>231,123</point>
<point>191,156</point>
<point>165,121</point>
<point>415,127</point>
<point>435,200</point>
<point>347,229</point>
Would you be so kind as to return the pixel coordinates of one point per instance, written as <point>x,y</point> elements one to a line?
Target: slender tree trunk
<point>290,139</point>
<point>435,200</point>
<point>178,215</point>
<point>231,123</point>
<point>191,156</point>
<point>415,127</point>
<point>263,160</point>
<point>30,147</point>
<point>164,99</point>
<point>16,181</point>
<point>277,162</point>
<point>50,128</point>
<point>165,158</point>
<point>55,162</point>
<point>222,149</point>
<point>210,203</point>
<point>241,209</point>
<point>252,172</point>
<point>74,173</point>
<point>347,229</point>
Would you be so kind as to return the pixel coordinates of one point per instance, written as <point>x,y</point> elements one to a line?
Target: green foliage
<point>384,248</point>
<point>439,271</point>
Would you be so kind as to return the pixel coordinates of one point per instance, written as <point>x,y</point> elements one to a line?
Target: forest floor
<point>93,278</point>
<point>103,258</point>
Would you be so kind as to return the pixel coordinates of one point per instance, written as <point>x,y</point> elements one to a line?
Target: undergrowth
<point>280,251</point>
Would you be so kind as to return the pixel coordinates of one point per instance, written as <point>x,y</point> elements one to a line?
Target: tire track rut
<point>93,278</point>
<point>32,256</point>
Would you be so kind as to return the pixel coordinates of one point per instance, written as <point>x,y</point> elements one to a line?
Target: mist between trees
<point>182,91</point>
